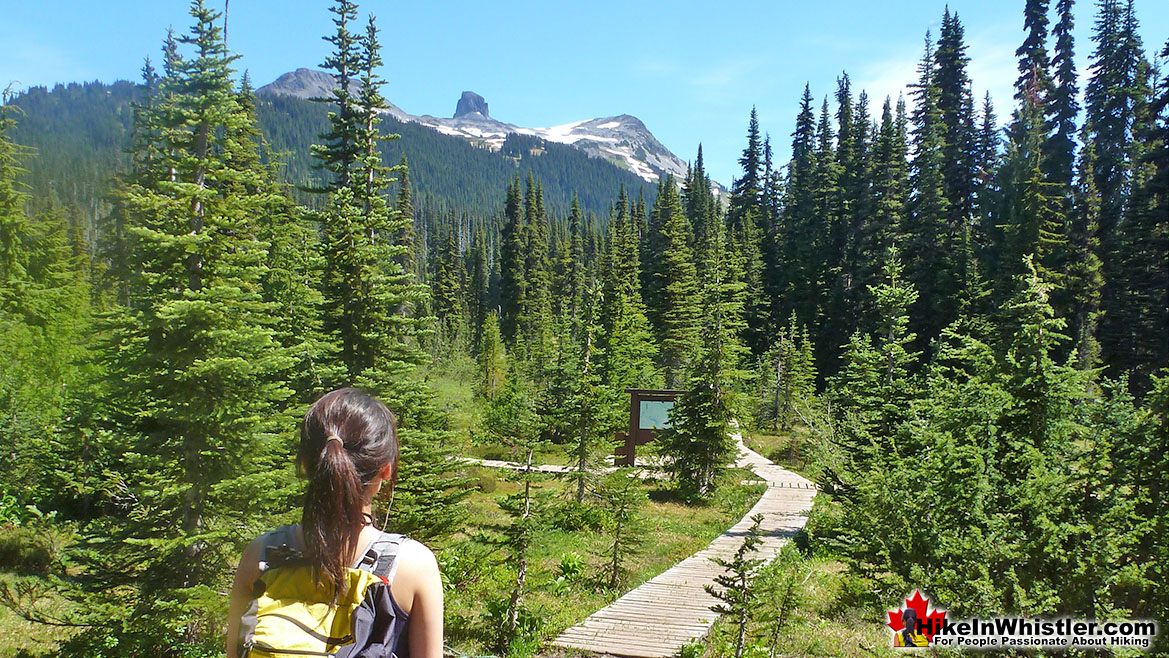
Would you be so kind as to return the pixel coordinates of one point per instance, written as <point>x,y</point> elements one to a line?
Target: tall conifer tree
<point>628,352</point>
<point>799,225</point>
<point>1034,75</point>
<point>512,277</point>
<point>699,438</point>
<point>956,110</point>
<point>197,366</point>
<point>366,286</point>
<point>928,244</point>
<point>882,230</point>
<point>1064,105</point>
<point>678,311</point>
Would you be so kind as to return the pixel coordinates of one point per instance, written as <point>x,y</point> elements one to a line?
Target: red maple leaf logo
<point>930,621</point>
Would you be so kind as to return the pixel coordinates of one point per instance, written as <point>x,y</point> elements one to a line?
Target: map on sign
<point>654,414</point>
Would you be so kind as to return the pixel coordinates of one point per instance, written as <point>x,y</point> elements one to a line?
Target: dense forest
<point>81,135</point>
<point>959,322</point>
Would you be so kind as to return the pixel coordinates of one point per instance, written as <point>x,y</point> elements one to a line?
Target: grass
<point>789,449</point>
<point>21,638</point>
<point>829,619</point>
<point>477,576</point>
<point>453,382</point>
<point>672,531</point>
<point>819,626</point>
<point>553,454</point>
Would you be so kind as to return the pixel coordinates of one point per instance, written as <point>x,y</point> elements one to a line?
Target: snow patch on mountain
<point>623,139</point>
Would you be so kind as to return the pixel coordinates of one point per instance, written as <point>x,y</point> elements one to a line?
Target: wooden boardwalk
<point>656,619</point>
<point>644,470</point>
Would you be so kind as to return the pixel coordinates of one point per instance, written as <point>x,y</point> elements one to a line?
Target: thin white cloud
<point>888,77</point>
<point>992,68</point>
<point>706,76</point>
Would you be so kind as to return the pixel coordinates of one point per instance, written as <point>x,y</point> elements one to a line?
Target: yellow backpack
<point>291,616</point>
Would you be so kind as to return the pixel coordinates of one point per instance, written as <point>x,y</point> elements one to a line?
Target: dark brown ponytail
<point>347,437</point>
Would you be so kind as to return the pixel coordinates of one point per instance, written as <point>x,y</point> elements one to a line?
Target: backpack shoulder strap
<point>279,546</point>
<point>382,557</point>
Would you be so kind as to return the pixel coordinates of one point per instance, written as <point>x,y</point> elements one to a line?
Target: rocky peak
<point>471,103</point>
<point>305,83</point>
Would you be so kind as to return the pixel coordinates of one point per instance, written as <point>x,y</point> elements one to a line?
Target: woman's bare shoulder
<point>416,557</point>
<point>249,561</point>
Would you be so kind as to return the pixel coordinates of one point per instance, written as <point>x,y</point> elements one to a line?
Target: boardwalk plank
<point>657,618</point>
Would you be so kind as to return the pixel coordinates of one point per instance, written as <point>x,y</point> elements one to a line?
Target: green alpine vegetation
<point>955,322</point>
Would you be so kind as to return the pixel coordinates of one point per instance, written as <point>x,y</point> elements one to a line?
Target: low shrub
<point>572,516</point>
<point>485,479</point>
<point>38,548</point>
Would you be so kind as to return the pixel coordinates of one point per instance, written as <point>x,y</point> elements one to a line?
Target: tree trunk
<point>584,421</point>
<point>742,639</point>
<point>522,572</point>
<point>616,553</point>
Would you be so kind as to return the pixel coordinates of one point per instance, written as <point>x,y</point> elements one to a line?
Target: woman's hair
<point>909,618</point>
<point>347,437</point>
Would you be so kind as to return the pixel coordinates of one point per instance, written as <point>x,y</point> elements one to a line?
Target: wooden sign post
<point>649,410</point>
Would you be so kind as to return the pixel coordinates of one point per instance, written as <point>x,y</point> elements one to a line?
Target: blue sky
<point>691,71</point>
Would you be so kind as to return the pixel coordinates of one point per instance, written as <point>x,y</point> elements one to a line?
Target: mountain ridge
<point>623,139</point>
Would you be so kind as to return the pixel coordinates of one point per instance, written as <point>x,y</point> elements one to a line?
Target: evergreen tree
<point>622,498</point>
<point>364,282</point>
<point>744,222</point>
<point>575,274</point>
<point>1085,282</point>
<point>1112,98</point>
<point>625,341</point>
<point>46,334</point>
<point>736,591</point>
<point>1141,468</point>
<point>1034,76</point>
<point>699,438</point>
<point>701,210</point>
<point>881,230</point>
<point>678,305</point>
<point>985,188</point>
<point>956,109</point>
<point>770,235</point>
<point>448,291</point>
<point>1033,212</point>
<point>492,358</point>
<point>859,200</point>
<point>512,278</point>
<point>366,287</point>
<point>927,238</point>
<point>510,421</point>
<point>196,364</point>
<point>1063,106</point>
<point>788,376</point>
<point>1040,431</point>
<point>535,320</point>
<point>406,234</point>
<point>874,390</point>
<point>341,153</point>
<point>294,264</point>
<point>828,246</point>
<point>799,233</point>
<point>780,588</point>
<point>745,192</point>
<point>1143,314</point>
<point>479,284</point>
<point>13,221</point>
